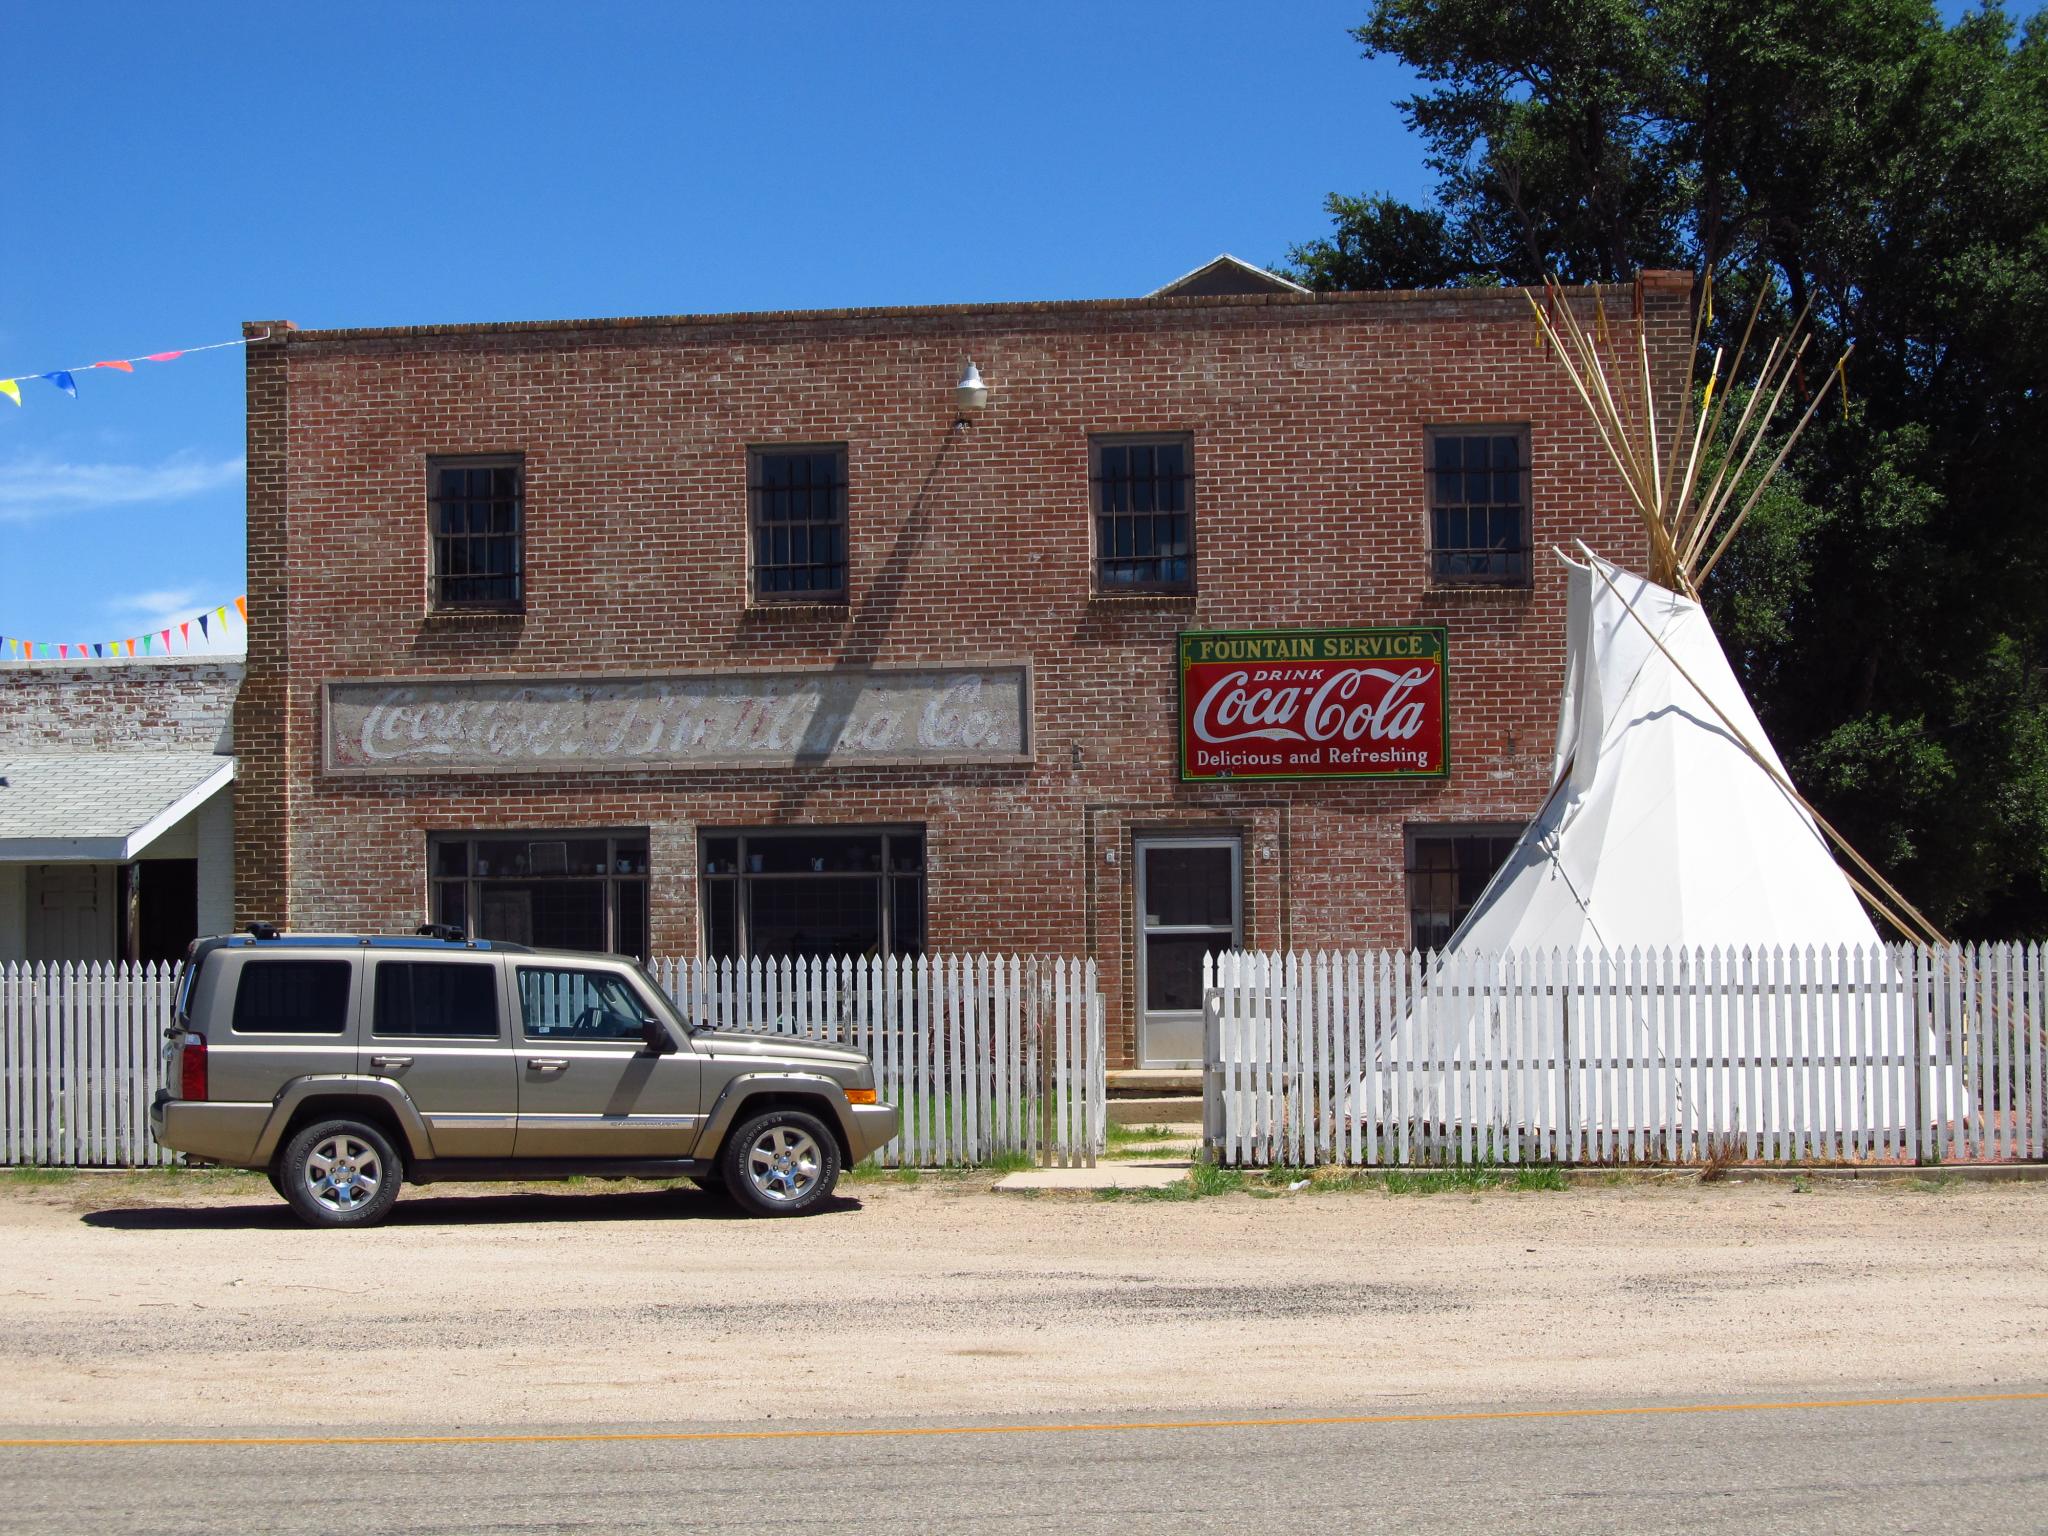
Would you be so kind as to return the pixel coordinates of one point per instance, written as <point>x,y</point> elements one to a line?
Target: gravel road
<point>155,1300</point>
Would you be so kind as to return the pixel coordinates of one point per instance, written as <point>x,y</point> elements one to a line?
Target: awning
<point>100,807</point>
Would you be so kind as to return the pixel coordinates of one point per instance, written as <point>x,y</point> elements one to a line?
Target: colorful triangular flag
<point>63,381</point>
<point>202,626</point>
<point>117,362</point>
<point>164,357</point>
<point>242,607</point>
<point>11,390</point>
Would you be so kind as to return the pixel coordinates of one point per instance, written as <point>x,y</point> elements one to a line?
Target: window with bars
<point>1143,490</point>
<point>1448,867</point>
<point>477,508</point>
<point>797,502</point>
<point>1479,505</point>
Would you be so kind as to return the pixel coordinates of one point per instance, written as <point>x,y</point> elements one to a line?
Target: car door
<point>437,1029</point>
<point>588,1085</point>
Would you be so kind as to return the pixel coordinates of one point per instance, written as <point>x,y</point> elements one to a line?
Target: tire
<point>372,1173</point>
<point>709,1183</point>
<point>781,1163</point>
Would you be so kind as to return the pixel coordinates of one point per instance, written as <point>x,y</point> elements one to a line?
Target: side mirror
<point>654,1034</point>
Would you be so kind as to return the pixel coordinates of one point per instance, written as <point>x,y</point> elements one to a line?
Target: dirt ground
<point>194,1301</point>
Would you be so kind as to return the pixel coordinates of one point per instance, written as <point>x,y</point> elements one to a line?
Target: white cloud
<point>37,486</point>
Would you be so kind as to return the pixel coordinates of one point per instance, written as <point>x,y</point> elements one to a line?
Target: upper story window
<point>797,507</point>
<point>477,508</point>
<point>1479,505</point>
<point>1144,499</point>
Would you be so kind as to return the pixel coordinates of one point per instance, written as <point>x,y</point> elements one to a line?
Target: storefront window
<point>813,891</point>
<point>554,890</point>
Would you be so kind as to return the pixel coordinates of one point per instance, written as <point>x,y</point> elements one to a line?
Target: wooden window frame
<point>437,575</point>
<point>1097,442</point>
<point>1441,573</point>
<point>757,526</point>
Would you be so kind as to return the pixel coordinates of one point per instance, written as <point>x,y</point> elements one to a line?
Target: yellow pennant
<point>11,390</point>
<point>222,613</point>
<point>1707,399</point>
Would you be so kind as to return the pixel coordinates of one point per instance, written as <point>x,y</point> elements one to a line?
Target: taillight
<point>192,1068</point>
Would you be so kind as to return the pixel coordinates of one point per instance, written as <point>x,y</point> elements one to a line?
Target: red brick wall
<point>1307,417</point>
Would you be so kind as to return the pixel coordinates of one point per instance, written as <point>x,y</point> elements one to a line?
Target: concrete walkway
<point>1106,1174</point>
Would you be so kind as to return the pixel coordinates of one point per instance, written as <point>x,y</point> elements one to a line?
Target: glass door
<point>1189,905</point>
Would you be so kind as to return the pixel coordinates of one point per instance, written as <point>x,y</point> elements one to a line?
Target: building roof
<point>58,807</point>
<point>1226,274</point>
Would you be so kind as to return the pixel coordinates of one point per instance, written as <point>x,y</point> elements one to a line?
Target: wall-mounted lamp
<point>970,394</point>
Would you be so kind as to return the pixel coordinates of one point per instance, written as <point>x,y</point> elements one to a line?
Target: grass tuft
<point>26,1175</point>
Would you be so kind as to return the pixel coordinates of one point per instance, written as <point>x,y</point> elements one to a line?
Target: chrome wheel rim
<point>343,1173</point>
<point>784,1163</point>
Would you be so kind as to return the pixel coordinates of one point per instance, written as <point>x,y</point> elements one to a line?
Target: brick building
<point>753,634</point>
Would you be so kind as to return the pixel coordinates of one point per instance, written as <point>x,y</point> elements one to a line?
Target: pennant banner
<point>66,378</point>
<point>213,625</point>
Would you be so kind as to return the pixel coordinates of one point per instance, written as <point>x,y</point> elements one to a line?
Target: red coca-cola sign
<point>1313,704</point>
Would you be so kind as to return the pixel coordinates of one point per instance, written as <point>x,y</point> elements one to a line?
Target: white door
<point>71,912</point>
<point>1189,905</point>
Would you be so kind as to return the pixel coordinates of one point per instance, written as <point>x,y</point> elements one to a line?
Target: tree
<point>1888,604</point>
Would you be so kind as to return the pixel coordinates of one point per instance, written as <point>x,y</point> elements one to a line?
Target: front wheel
<point>340,1173</point>
<point>782,1163</point>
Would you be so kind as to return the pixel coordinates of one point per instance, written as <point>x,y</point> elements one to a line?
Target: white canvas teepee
<point>1661,829</point>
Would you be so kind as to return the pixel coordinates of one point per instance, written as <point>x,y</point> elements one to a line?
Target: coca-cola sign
<point>1313,703</point>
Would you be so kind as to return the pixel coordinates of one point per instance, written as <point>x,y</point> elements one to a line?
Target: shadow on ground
<point>452,1210</point>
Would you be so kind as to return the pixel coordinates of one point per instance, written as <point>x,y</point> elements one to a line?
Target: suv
<point>344,1066</point>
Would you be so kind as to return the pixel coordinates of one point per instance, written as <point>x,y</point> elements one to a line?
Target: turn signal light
<point>860,1095</point>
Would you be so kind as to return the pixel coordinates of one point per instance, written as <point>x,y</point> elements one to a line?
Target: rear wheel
<point>781,1163</point>
<point>340,1173</point>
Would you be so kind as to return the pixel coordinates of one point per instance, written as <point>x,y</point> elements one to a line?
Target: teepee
<point>1672,831</point>
<point>1671,822</point>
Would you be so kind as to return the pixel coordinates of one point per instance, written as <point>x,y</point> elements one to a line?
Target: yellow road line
<point>906,1432</point>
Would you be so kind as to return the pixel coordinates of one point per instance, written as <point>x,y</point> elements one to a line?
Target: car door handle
<point>547,1064</point>
<point>390,1061</point>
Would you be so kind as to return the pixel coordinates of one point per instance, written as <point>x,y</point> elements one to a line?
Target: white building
<point>117,835</point>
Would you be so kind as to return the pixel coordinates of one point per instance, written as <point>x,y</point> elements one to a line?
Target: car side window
<point>292,997</point>
<point>436,998</point>
<point>558,1003</point>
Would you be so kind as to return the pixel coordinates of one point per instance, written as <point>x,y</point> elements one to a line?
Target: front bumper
<point>872,1127</point>
<point>219,1133</point>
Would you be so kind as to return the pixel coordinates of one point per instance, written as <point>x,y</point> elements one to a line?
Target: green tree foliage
<point>1887,604</point>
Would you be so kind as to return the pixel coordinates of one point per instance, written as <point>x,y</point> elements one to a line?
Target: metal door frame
<point>1140,844</point>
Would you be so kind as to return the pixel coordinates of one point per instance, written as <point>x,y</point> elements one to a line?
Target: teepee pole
<point>1928,932</point>
<point>1736,527</point>
<point>1711,517</point>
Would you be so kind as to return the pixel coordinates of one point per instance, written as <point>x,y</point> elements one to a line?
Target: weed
<point>1801,1184</point>
<point>1210,1179</point>
<point>1528,1177</point>
<point>1009,1162</point>
<point>1723,1150</point>
<point>1124,1134</point>
<point>1934,1186</point>
<point>31,1175</point>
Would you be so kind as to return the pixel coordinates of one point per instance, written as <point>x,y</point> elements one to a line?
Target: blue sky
<point>172,170</point>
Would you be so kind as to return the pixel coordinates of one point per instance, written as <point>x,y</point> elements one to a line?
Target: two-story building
<point>1222,615</point>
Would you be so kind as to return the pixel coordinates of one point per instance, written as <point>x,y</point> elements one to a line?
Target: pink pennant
<point>167,639</point>
<point>164,357</point>
<point>63,653</point>
<point>123,366</point>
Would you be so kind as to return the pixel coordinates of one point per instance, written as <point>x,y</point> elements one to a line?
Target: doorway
<point>1190,904</point>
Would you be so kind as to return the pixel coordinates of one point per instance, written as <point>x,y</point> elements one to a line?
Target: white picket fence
<point>1886,1055</point>
<point>79,1063</point>
<point>986,1056</point>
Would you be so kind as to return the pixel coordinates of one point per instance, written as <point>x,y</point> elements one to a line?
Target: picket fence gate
<point>985,1056</point>
<point>1885,1055</point>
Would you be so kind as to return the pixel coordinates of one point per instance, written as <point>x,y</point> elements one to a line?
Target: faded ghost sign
<point>844,718</point>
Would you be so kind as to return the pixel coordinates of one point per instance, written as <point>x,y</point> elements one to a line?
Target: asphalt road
<point>1812,1466</point>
